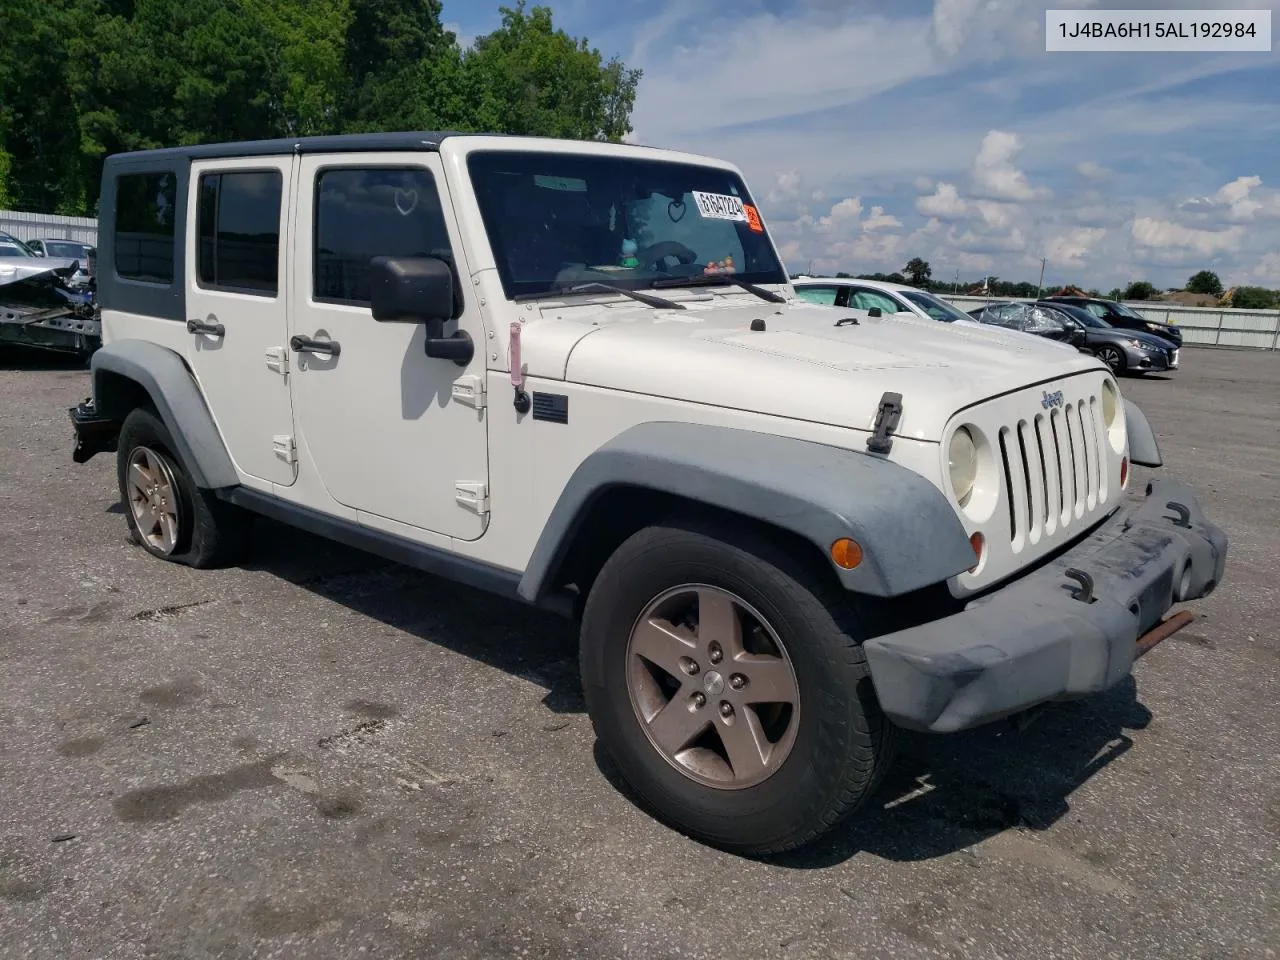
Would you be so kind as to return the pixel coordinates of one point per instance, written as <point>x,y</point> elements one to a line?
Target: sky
<point>874,131</point>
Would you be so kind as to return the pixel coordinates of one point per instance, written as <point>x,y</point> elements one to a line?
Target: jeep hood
<point>801,366</point>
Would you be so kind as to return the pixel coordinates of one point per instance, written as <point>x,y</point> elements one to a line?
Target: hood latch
<point>888,413</point>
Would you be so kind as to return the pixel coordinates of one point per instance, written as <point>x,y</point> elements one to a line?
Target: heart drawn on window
<point>406,201</point>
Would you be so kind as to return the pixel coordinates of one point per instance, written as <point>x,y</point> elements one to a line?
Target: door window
<point>821,295</point>
<point>238,225</point>
<point>862,299</point>
<point>367,212</point>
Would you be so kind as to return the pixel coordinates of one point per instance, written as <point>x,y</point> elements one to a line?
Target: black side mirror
<point>875,312</point>
<point>420,290</point>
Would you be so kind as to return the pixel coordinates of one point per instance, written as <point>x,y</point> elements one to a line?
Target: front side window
<point>238,223</point>
<point>861,299</point>
<point>557,220</point>
<point>367,212</point>
<point>146,211</point>
<point>826,296</point>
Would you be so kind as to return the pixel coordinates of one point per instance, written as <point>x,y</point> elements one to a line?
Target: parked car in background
<point>1041,320</point>
<point>1124,351</point>
<point>889,297</point>
<point>83,253</point>
<point>1116,314</point>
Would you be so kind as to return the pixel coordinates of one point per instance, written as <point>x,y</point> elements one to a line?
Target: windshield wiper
<point>660,302</point>
<point>710,280</point>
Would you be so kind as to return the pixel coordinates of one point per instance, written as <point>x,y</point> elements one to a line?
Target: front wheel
<point>1113,358</point>
<point>727,683</point>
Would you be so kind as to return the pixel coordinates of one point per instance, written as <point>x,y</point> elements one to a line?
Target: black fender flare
<point>165,378</point>
<point>1143,448</point>
<point>909,533</point>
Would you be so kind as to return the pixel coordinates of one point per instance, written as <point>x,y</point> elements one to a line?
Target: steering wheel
<point>655,254</point>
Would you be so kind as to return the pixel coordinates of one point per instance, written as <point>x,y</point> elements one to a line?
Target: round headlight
<point>1109,404</point>
<point>962,461</point>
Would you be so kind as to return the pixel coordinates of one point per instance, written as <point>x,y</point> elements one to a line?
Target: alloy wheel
<point>713,687</point>
<point>153,499</point>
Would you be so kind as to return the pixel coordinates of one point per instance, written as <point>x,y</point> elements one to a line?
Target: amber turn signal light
<point>846,554</point>
<point>979,544</point>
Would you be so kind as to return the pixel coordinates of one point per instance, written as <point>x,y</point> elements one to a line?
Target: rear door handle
<point>212,327</point>
<point>329,348</point>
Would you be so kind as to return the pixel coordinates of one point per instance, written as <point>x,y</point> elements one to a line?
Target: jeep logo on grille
<point>1054,399</point>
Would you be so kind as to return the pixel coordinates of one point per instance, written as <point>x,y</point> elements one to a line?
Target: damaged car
<point>42,304</point>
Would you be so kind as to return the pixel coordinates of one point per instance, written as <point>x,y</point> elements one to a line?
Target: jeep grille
<point>1055,470</point>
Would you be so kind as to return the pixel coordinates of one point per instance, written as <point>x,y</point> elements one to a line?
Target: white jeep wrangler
<point>576,375</point>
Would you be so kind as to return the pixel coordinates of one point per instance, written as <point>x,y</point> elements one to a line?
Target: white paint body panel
<point>380,440</point>
<point>249,401</point>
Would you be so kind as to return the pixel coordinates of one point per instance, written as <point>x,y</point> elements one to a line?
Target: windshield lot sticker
<point>753,219</point>
<point>720,206</point>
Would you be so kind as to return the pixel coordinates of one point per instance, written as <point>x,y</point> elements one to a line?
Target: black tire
<point>843,743</point>
<point>1113,357</point>
<point>210,532</point>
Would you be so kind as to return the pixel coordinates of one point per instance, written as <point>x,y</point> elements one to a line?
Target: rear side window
<point>238,223</point>
<point>146,206</point>
<point>367,212</point>
<point>823,295</point>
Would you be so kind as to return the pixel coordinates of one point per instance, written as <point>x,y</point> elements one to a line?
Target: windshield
<point>1124,311</point>
<point>557,220</point>
<point>938,309</point>
<point>62,249</point>
<point>13,247</point>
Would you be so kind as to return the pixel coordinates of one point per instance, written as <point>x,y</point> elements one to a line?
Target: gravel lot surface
<point>321,755</point>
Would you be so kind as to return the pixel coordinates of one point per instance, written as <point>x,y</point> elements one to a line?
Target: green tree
<point>1115,293</point>
<point>1206,282</point>
<point>1139,290</point>
<point>527,77</point>
<point>918,272</point>
<point>1253,298</point>
<point>401,66</point>
<point>38,124</point>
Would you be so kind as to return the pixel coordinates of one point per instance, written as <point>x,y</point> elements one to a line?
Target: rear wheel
<point>167,514</point>
<point>727,683</point>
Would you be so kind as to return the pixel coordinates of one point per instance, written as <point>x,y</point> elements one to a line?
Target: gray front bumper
<point>1037,639</point>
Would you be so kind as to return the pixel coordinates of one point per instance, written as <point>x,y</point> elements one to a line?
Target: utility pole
<point>1040,285</point>
<point>956,286</point>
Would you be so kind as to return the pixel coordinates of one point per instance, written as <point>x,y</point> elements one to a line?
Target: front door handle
<point>330,348</point>
<point>212,327</point>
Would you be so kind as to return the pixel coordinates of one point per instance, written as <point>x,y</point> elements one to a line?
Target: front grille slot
<point>1054,470</point>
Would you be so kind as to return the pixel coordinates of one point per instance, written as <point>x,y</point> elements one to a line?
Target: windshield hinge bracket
<point>888,413</point>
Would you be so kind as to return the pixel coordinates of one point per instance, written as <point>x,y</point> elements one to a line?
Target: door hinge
<point>469,390</point>
<point>278,360</point>
<point>284,448</point>
<point>473,496</point>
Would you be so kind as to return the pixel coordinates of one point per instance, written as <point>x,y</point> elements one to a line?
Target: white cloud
<point>923,184</point>
<point>848,209</point>
<point>994,174</point>
<point>1169,235</point>
<point>944,203</point>
<point>1268,270</point>
<point>1073,247</point>
<point>786,187</point>
<point>1241,200</point>
<point>1092,170</point>
<point>877,219</point>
